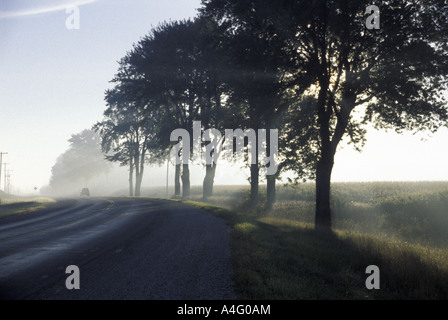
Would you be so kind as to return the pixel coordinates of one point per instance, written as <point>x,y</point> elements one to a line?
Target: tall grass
<point>415,212</point>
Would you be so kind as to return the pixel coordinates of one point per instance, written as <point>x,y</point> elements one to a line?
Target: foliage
<point>311,68</point>
<point>82,161</point>
<point>397,74</point>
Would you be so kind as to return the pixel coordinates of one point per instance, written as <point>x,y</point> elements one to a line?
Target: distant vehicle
<point>85,192</point>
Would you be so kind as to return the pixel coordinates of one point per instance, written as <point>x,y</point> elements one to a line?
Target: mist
<point>84,165</point>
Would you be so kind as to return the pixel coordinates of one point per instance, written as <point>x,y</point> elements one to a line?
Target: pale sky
<point>52,84</point>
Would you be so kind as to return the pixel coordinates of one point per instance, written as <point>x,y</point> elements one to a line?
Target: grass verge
<point>20,206</point>
<point>280,259</point>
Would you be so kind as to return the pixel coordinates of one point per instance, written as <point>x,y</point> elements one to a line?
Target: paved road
<point>127,249</point>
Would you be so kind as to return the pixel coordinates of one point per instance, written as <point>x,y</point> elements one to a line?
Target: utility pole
<point>9,182</point>
<point>1,157</point>
<point>5,176</point>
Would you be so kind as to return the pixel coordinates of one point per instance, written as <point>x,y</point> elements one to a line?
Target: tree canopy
<point>313,69</point>
<point>396,74</point>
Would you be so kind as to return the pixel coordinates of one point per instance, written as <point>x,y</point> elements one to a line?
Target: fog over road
<point>124,248</point>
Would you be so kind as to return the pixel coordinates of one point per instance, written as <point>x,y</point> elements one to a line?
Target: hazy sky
<point>52,84</point>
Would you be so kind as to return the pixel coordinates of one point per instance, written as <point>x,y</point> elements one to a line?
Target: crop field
<point>415,212</point>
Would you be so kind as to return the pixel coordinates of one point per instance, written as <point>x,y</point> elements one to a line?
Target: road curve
<point>126,249</point>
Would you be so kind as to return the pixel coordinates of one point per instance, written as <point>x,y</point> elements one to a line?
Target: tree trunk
<point>254,181</point>
<point>271,192</point>
<point>325,163</point>
<point>323,190</point>
<point>207,186</point>
<point>131,179</point>
<point>185,181</point>
<point>139,174</point>
<point>270,179</point>
<point>141,170</point>
<point>138,184</point>
<point>138,180</point>
<point>177,181</point>
<point>254,122</point>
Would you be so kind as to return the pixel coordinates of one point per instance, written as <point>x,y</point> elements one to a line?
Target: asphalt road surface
<point>125,249</point>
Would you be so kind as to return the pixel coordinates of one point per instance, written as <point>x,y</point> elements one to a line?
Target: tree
<point>395,76</point>
<point>81,162</point>
<point>125,134</point>
<point>176,67</point>
<point>258,56</point>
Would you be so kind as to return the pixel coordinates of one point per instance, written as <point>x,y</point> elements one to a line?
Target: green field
<point>400,227</point>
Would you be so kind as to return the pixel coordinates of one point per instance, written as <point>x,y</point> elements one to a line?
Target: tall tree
<point>176,66</point>
<point>394,75</point>
<point>126,132</point>
<point>261,67</point>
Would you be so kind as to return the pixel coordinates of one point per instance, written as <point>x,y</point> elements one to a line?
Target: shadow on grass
<point>290,260</point>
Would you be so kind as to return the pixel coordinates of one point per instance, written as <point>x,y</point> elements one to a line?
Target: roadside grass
<point>280,259</point>
<point>20,205</point>
<point>399,227</point>
<point>278,255</point>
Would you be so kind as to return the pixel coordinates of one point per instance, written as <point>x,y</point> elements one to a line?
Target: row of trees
<point>303,67</point>
<point>78,165</point>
